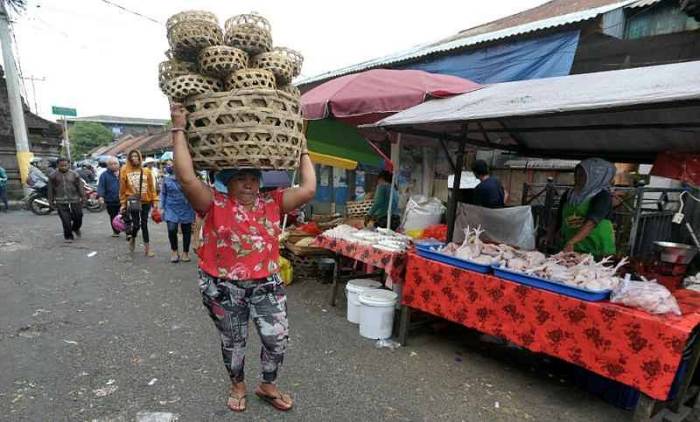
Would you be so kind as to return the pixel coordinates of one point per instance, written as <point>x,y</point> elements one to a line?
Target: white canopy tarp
<point>627,115</point>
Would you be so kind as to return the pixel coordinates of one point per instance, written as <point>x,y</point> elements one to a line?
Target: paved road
<point>109,337</point>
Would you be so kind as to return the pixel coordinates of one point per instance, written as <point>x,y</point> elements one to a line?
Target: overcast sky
<point>102,60</point>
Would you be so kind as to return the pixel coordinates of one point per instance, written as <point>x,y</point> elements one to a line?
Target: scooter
<point>92,202</point>
<point>37,202</point>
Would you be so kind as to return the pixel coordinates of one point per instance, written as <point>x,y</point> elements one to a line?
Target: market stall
<point>550,304</point>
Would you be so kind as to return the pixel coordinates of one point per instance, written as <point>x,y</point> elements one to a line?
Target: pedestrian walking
<point>66,194</point>
<point>3,188</point>
<point>178,214</point>
<point>239,263</point>
<point>108,191</point>
<point>137,195</point>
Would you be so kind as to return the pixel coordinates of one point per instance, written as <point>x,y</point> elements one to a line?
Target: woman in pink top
<point>238,262</point>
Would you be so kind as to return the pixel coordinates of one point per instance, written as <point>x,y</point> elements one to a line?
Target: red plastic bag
<point>310,228</point>
<point>437,232</point>
<point>155,216</point>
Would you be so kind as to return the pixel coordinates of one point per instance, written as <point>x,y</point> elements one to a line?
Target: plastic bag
<point>437,232</point>
<point>513,226</point>
<point>647,295</point>
<point>422,212</point>
<point>310,228</point>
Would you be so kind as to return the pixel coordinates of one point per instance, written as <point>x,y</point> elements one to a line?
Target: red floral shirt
<point>241,244</point>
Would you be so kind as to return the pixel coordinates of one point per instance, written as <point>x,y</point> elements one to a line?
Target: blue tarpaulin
<point>534,58</point>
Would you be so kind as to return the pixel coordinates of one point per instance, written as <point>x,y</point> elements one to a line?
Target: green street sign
<point>64,111</point>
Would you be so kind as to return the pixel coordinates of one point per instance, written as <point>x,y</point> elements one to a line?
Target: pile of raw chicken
<point>573,269</point>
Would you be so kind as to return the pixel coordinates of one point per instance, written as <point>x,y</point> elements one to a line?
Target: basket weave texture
<point>220,61</point>
<point>251,33</point>
<point>279,64</point>
<point>245,129</point>
<point>295,57</point>
<point>169,69</point>
<point>187,38</point>
<point>191,15</point>
<point>358,208</point>
<point>181,87</point>
<point>251,79</point>
<point>291,90</point>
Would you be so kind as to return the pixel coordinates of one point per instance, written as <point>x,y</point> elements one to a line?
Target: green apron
<point>599,243</point>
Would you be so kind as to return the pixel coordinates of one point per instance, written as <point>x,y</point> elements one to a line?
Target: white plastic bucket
<point>377,314</point>
<point>353,289</point>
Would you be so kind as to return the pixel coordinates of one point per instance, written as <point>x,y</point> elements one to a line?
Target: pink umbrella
<point>368,97</point>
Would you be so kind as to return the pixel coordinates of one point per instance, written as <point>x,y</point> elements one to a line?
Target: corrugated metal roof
<point>643,3</point>
<point>427,49</point>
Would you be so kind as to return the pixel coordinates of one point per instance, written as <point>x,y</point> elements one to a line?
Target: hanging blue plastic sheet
<point>533,58</point>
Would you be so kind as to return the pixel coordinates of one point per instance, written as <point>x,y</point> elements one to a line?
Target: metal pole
<point>395,162</point>
<point>19,128</point>
<point>65,134</point>
<point>452,205</point>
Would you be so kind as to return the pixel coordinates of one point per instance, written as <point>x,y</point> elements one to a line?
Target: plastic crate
<point>429,252</point>
<point>552,286</point>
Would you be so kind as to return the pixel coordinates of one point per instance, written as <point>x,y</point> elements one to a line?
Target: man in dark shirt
<point>489,193</point>
<point>66,194</point>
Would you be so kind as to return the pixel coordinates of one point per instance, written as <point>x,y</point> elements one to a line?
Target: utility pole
<point>12,81</point>
<point>32,79</point>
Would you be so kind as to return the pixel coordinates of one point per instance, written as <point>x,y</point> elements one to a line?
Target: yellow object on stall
<point>415,233</point>
<point>331,160</point>
<point>286,271</point>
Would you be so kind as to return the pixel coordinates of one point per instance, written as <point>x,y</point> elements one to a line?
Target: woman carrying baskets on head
<point>239,262</point>
<point>137,194</point>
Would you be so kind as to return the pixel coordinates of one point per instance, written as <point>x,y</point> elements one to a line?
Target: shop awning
<point>333,138</point>
<point>625,115</point>
<point>329,160</point>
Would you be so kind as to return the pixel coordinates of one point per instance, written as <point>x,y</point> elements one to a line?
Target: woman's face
<point>134,159</point>
<point>245,188</point>
<point>579,178</point>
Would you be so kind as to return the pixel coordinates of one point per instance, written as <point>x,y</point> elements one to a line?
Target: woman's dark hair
<point>480,168</point>
<point>385,176</point>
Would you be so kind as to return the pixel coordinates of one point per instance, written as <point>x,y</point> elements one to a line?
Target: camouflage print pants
<point>231,304</point>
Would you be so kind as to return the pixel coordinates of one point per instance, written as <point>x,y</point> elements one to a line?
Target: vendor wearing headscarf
<point>585,210</point>
<point>239,262</point>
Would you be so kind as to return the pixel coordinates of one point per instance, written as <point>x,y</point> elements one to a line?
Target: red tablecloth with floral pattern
<point>393,263</point>
<point>628,345</point>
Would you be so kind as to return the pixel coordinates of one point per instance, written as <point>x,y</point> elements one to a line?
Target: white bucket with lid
<point>353,290</point>
<point>377,314</point>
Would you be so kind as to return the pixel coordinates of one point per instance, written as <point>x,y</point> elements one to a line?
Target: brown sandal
<point>282,402</point>
<point>235,402</point>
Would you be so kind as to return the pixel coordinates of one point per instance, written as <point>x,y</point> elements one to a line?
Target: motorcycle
<point>92,202</point>
<point>37,202</point>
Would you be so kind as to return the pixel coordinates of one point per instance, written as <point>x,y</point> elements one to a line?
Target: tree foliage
<point>85,136</point>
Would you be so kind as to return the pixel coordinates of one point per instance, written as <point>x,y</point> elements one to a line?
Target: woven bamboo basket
<point>221,60</point>
<point>358,208</point>
<point>189,16</point>
<point>251,79</point>
<point>172,68</point>
<point>291,90</point>
<point>184,86</point>
<point>293,56</point>
<point>304,267</point>
<point>279,64</point>
<point>251,33</point>
<point>245,129</point>
<point>187,38</point>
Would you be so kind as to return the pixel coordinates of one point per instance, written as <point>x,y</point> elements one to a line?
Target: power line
<point>133,12</point>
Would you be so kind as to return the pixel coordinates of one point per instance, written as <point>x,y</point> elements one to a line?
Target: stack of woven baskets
<point>243,111</point>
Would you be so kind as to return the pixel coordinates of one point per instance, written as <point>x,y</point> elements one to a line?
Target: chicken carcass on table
<point>570,268</point>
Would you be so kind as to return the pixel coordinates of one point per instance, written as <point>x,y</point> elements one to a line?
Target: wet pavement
<point>90,332</point>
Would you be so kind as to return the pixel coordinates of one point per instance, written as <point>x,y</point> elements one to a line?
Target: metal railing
<point>641,215</point>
